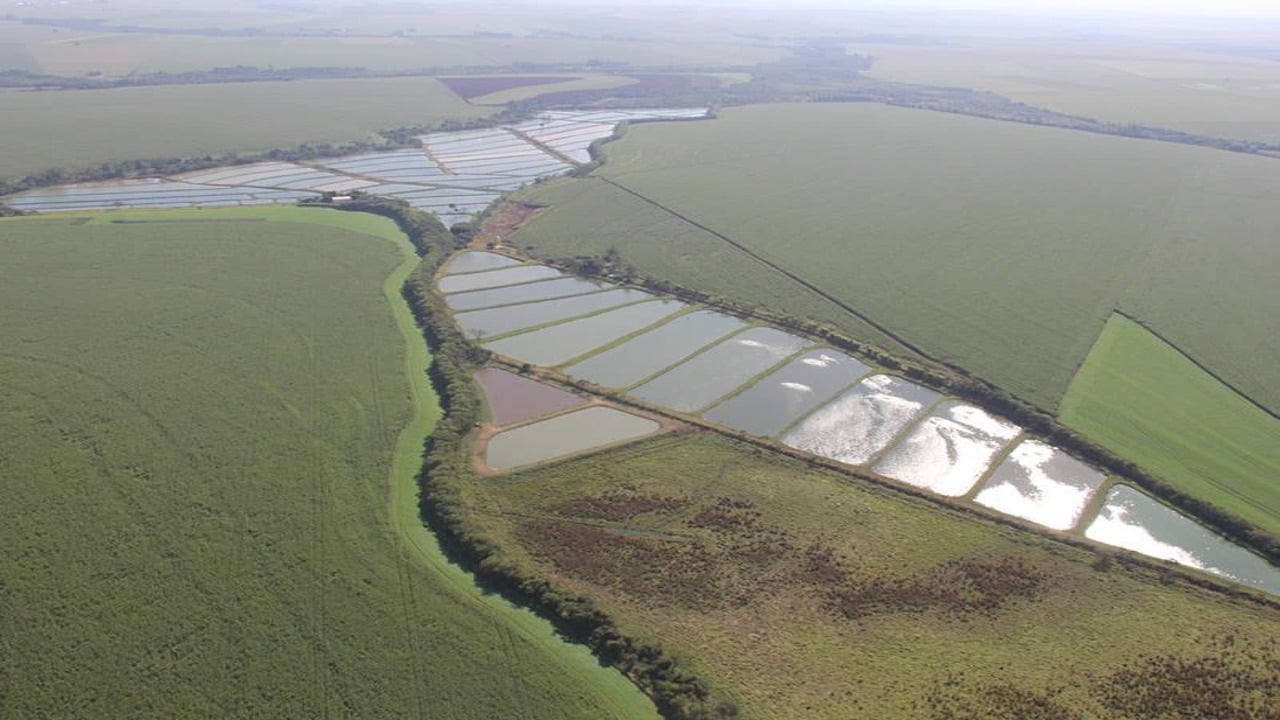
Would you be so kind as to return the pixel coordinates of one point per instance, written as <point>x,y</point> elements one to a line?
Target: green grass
<point>209,432</point>
<point>1000,247</point>
<point>591,216</point>
<point>1149,403</point>
<point>744,551</point>
<point>83,128</point>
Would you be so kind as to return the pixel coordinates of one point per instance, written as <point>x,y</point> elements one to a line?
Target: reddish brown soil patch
<point>660,572</point>
<point>1234,678</point>
<point>973,585</point>
<point>512,398</point>
<point>618,506</point>
<point>475,86</point>
<point>503,222</point>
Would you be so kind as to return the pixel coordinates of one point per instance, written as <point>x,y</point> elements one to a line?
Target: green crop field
<point>1143,399</point>
<point>387,47</point>
<point>210,422</point>
<point>83,128</point>
<point>803,593</point>
<point>1000,247</point>
<point>593,216</point>
<point>590,82</point>
<point>1218,94</point>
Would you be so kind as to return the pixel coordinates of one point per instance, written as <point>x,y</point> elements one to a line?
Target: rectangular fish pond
<point>497,278</point>
<point>528,292</point>
<point>563,435</point>
<point>1131,520</point>
<point>1041,483</point>
<point>558,344</point>
<point>775,402</point>
<point>949,450</point>
<point>512,398</point>
<point>476,260</point>
<point>710,375</point>
<point>494,322</point>
<point>644,355</point>
<point>857,425</point>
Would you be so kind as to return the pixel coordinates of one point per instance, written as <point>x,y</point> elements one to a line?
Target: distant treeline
<point>678,694</point>
<point>991,106</point>
<point>956,382</point>
<point>820,70</point>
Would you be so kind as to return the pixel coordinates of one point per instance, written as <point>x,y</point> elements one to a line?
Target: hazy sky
<point>1220,8</point>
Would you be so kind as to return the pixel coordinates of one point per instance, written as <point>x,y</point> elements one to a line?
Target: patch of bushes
<point>618,506</point>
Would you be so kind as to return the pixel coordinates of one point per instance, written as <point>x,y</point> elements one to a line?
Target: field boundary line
<point>1201,366</point>
<point>790,276</point>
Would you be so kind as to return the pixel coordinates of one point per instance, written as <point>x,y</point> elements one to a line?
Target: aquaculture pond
<point>502,320</point>
<point>477,260</point>
<point>710,375</point>
<point>647,354</point>
<point>1041,483</point>
<point>1134,521</point>
<point>781,398</point>
<point>857,425</point>
<point>558,344</point>
<point>496,278</point>
<point>568,434</point>
<point>484,163</point>
<point>512,398</point>
<point>949,450</point>
<point>528,292</point>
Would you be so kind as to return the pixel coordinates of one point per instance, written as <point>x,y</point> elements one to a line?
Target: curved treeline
<point>678,694</point>
<point>961,384</point>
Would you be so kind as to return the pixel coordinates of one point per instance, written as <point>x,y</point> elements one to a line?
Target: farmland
<point>453,174</point>
<point>802,594</point>
<point>1197,91</point>
<point>84,128</point>
<point>777,386</point>
<point>825,405</point>
<point>1140,397</point>
<point>926,223</point>
<point>201,414</point>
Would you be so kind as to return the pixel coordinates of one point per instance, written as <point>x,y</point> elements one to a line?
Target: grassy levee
<point>208,418</point>
<point>91,127</point>
<point>805,593</point>
<point>997,247</point>
<point>1145,401</point>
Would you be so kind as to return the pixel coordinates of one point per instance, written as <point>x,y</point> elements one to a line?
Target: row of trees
<point>678,694</point>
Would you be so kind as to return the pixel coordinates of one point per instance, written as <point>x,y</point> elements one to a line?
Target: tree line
<point>677,693</point>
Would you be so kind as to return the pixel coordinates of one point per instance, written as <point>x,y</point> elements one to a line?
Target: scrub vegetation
<point>803,593</point>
